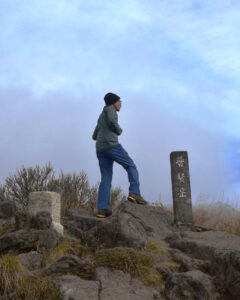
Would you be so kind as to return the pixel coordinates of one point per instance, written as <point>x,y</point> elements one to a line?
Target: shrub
<point>74,188</point>
<point>18,186</point>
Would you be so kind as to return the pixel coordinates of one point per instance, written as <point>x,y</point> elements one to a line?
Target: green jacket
<point>107,130</point>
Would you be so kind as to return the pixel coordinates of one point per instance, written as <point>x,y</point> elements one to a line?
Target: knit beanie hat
<point>111,98</point>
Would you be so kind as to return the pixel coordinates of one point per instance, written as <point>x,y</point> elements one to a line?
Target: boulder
<point>119,285</point>
<point>42,220</point>
<point>75,288</point>
<point>26,240</point>
<point>154,219</point>
<point>189,285</point>
<point>129,226</point>
<point>121,229</point>
<point>22,220</point>
<point>71,264</point>
<point>82,219</point>
<point>118,231</point>
<point>232,264</point>
<point>7,209</point>
<point>189,263</point>
<point>32,260</point>
<point>220,250</point>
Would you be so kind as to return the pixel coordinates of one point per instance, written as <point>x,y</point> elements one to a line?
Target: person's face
<point>118,105</point>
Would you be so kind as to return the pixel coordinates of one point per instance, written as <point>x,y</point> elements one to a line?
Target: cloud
<point>58,128</point>
<point>177,62</point>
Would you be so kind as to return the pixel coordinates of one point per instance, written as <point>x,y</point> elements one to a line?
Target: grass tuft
<point>156,248</point>
<point>162,255</point>
<point>4,229</point>
<point>136,263</point>
<point>64,248</point>
<point>15,279</point>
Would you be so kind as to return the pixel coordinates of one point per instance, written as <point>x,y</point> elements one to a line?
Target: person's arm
<point>94,136</point>
<point>112,120</point>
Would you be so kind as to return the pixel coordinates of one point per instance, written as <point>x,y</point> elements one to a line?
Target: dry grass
<point>136,263</point>
<point>64,248</point>
<point>221,214</point>
<point>4,229</point>
<point>162,256</point>
<point>15,279</point>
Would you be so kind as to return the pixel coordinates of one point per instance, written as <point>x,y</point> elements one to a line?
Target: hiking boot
<point>104,213</point>
<point>137,199</point>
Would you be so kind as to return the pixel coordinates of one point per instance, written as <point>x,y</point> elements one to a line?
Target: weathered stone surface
<point>203,245</point>
<point>7,209</point>
<point>120,286</point>
<point>219,248</point>
<point>46,201</point>
<point>130,226</point>
<point>42,220</point>
<point>233,273</point>
<point>188,263</point>
<point>75,288</point>
<point>32,260</point>
<point>190,285</point>
<point>49,238</point>
<point>82,219</point>
<point>163,269</point>
<point>22,220</point>
<point>26,240</point>
<point>181,190</point>
<point>119,230</point>
<point>7,222</point>
<point>154,219</point>
<point>71,264</point>
<point>79,221</point>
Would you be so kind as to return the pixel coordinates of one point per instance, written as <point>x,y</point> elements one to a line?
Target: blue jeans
<point>106,159</point>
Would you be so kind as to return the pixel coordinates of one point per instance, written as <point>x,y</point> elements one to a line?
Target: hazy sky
<point>175,64</point>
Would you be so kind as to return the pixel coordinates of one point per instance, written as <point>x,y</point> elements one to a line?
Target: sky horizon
<point>176,67</point>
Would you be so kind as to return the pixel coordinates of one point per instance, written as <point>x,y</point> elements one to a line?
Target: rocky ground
<point>137,253</point>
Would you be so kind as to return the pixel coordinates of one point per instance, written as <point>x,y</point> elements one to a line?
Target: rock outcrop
<point>129,226</point>
<point>119,285</point>
<point>25,236</point>
<point>215,252</point>
<point>32,260</point>
<point>203,254</point>
<point>190,285</point>
<point>208,261</point>
<point>71,264</point>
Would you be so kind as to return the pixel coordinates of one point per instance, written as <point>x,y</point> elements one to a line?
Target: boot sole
<point>101,216</point>
<point>131,199</point>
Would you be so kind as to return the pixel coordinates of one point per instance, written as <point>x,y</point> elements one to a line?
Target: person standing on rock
<point>109,150</point>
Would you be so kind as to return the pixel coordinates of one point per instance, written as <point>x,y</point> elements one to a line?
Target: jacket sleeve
<point>94,136</point>
<point>112,121</point>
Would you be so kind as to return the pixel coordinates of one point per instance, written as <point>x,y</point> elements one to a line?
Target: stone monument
<point>47,201</point>
<point>181,190</point>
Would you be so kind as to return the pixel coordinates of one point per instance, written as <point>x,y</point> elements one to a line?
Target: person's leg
<point>119,155</point>
<point>106,169</point>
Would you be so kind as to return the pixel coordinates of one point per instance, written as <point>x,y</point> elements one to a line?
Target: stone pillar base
<point>47,201</point>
